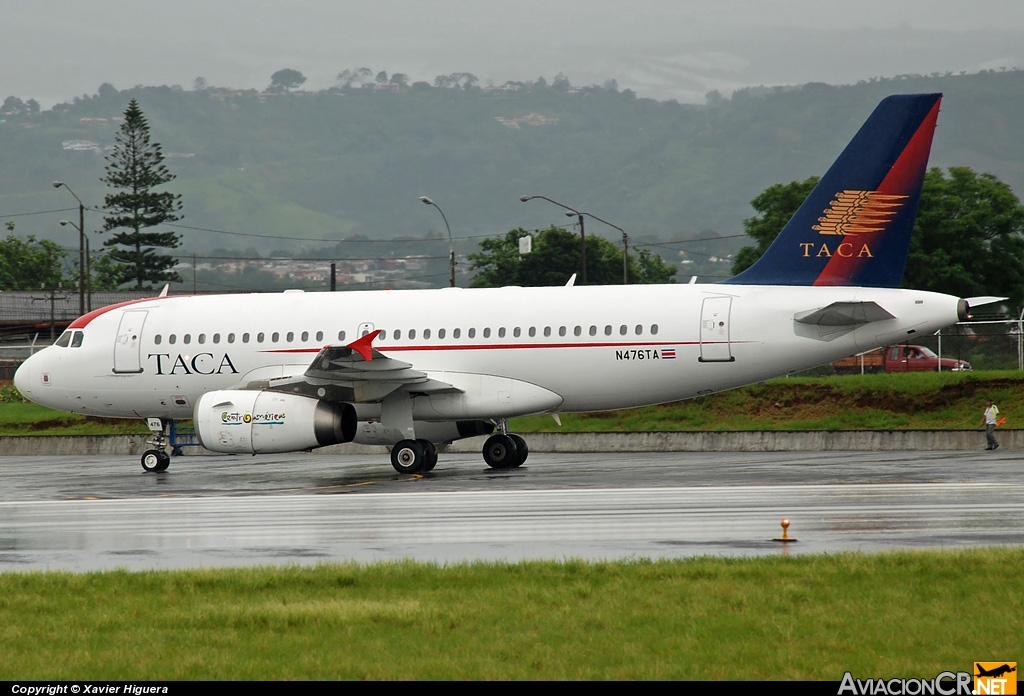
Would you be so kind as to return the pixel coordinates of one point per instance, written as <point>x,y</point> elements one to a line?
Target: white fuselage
<point>597,348</point>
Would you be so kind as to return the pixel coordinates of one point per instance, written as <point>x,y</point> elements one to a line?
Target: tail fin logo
<point>858,212</point>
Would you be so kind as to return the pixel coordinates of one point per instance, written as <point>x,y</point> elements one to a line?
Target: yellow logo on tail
<point>858,212</point>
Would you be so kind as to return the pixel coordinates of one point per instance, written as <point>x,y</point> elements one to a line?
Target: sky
<point>54,50</point>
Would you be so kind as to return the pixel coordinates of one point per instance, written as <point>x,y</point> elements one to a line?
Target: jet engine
<point>254,422</point>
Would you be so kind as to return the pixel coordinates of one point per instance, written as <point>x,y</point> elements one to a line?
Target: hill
<point>296,173</point>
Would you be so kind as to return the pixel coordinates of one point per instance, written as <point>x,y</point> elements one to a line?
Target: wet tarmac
<point>105,512</point>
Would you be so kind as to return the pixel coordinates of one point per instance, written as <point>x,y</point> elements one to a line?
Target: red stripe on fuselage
<point>83,321</point>
<point>901,180</point>
<point>511,346</point>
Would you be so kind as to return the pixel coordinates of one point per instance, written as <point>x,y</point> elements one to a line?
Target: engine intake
<point>253,422</point>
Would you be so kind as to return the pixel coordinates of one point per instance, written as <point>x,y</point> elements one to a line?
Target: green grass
<point>806,617</point>
<point>922,401</point>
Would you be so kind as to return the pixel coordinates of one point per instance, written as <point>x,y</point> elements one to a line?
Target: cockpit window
<point>64,340</point>
<point>76,342</point>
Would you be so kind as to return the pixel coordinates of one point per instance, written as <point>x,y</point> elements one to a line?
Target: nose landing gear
<point>156,459</point>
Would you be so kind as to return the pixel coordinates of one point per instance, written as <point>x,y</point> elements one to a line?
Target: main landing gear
<point>414,456</point>
<point>501,451</point>
<point>156,459</point>
<point>505,451</point>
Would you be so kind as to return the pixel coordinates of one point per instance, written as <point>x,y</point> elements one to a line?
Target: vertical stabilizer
<point>854,228</point>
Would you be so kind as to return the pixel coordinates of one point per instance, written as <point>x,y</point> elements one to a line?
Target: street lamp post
<point>625,245</point>
<point>88,273</point>
<point>570,212</point>
<point>451,245</point>
<point>81,246</point>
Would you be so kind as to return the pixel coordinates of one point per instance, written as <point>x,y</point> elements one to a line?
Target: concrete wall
<point>815,441</point>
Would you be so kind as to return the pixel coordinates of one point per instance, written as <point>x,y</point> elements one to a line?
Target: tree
<point>28,264</point>
<point>556,256</point>
<point>968,237</point>
<point>775,206</point>
<point>286,80</point>
<point>135,168</point>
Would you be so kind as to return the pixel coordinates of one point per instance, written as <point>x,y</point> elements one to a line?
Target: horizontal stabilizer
<point>844,314</point>
<point>979,301</point>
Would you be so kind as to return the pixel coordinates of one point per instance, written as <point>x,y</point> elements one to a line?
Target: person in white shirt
<point>990,417</point>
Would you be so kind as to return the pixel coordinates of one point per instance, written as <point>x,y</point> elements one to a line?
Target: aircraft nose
<point>27,377</point>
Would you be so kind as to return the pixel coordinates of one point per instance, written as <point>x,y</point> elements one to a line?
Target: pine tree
<point>135,168</point>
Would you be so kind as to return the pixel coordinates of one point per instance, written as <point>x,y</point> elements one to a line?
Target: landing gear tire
<point>522,450</point>
<point>500,452</point>
<point>409,456</point>
<point>431,461</point>
<point>155,460</point>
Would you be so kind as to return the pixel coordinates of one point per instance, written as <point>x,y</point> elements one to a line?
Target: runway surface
<point>105,512</point>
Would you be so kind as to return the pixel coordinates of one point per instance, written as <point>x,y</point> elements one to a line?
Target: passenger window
<point>398,334</point>
<point>290,336</point>
<point>341,335</point>
<point>275,337</point>
<point>157,339</point>
<point>245,338</point>
<point>305,336</point>
<point>547,331</point>
<point>456,333</point>
<point>487,332</point>
<point>231,338</point>
<point>76,342</point>
<point>623,330</point>
<point>472,333</point>
<point>654,329</point>
<point>259,337</point>
<point>319,336</point>
<point>578,331</point>
<point>426,333</point>
<point>533,331</point>
<point>412,334</point>
<point>186,339</point>
<point>440,333</point>
<point>516,331</point>
<point>382,335</point>
<point>501,332</point>
<point>607,330</point>
<point>64,340</point>
<point>561,330</point>
<point>171,339</point>
<point>202,338</point>
<point>639,329</point>
<point>216,338</point>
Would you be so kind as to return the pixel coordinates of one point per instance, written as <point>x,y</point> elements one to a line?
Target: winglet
<point>163,293</point>
<point>364,345</point>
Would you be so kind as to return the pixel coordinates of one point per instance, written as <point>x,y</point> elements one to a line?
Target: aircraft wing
<point>356,372</point>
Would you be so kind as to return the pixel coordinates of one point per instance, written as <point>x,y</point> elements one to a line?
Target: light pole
<point>451,246</point>
<point>88,272</point>
<point>81,246</point>
<point>625,245</point>
<point>570,212</point>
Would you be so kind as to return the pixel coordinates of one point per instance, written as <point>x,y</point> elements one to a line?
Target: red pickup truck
<point>899,359</point>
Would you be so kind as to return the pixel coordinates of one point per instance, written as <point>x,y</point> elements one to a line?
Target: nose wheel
<point>156,460</point>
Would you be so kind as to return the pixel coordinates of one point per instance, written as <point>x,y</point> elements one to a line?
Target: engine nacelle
<point>253,422</point>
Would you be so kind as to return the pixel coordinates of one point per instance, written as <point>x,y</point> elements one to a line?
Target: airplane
<point>414,369</point>
<point>995,671</point>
